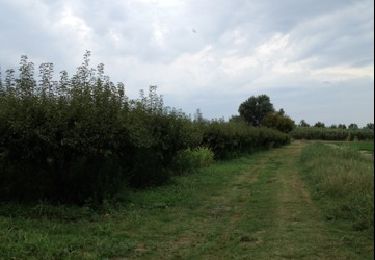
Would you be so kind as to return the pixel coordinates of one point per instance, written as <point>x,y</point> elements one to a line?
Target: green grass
<point>254,207</point>
<point>342,182</point>
<point>149,223</point>
<point>367,146</point>
<point>364,146</point>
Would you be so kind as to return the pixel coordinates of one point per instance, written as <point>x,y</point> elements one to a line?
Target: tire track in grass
<point>293,226</point>
<point>278,220</point>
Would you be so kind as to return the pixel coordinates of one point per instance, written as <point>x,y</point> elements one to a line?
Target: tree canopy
<point>254,109</point>
<point>278,120</point>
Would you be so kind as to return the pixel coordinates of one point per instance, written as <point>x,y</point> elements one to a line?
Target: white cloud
<point>196,50</point>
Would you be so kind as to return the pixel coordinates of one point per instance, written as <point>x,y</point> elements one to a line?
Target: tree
<point>281,112</point>
<point>46,79</point>
<point>10,81</point>
<point>341,126</point>
<point>64,83</point>
<point>2,90</point>
<point>320,125</point>
<point>353,126</point>
<point>279,121</point>
<point>370,126</point>
<point>302,123</point>
<point>26,83</point>
<point>333,126</point>
<point>254,109</point>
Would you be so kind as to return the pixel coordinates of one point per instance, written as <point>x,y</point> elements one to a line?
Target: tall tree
<point>46,79</point>
<point>26,83</point>
<point>370,126</point>
<point>10,81</point>
<point>319,125</point>
<point>302,123</point>
<point>2,90</point>
<point>254,109</point>
<point>64,83</point>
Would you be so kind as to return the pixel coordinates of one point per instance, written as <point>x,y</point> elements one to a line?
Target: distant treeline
<point>81,138</point>
<point>352,126</point>
<point>339,134</point>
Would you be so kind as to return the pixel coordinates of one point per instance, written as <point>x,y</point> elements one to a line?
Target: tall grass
<point>343,181</point>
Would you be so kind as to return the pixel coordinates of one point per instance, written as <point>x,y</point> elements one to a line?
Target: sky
<point>314,58</point>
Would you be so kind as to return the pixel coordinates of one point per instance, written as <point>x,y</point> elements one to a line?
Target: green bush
<point>82,139</point>
<point>190,159</point>
<point>231,139</point>
<point>278,121</point>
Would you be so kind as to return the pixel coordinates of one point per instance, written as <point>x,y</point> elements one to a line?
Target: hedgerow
<point>231,139</point>
<point>311,133</point>
<point>82,138</point>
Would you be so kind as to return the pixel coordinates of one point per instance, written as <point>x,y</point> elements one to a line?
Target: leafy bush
<point>82,139</point>
<point>278,121</point>
<point>231,139</point>
<point>190,159</point>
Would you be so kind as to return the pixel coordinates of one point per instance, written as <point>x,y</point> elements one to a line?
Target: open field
<point>261,206</point>
<point>362,146</point>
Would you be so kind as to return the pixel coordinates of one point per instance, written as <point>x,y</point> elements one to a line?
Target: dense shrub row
<point>230,139</point>
<point>332,133</point>
<point>81,138</point>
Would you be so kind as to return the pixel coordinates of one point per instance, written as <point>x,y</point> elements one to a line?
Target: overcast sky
<point>313,58</point>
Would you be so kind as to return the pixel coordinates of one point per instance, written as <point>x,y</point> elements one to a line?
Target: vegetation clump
<point>259,111</point>
<point>189,160</point>
<point>81,137</point>
<point>339,134</point>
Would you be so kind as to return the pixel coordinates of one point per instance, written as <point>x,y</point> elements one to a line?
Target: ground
<point>255,207</point>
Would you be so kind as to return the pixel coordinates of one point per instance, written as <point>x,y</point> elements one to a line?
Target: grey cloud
<point>210,54</point>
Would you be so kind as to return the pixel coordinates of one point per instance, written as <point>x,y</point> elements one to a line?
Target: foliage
<point>254,109</point>
<point>302,123</point>
<point>190,159</point>
<point>319,125</point>
<point>81,138</point>
<point>353,126</point>
<point>230,139</point>
<point>237,119</point>
<point>317,133</point>
<point>370,126</point>
<point>279,121</point>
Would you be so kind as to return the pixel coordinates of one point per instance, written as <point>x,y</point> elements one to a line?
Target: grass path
<point>255,207</point>
<point>273,216</point>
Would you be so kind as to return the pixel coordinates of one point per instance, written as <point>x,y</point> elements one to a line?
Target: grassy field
<point>365,146</point>
<point>255,207</point>
<point>341,181</point>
